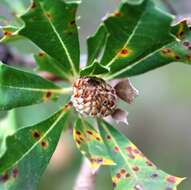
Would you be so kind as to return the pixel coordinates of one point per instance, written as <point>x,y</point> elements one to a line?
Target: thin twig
<point>86,179</point>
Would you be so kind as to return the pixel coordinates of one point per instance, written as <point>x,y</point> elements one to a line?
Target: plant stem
<point>86,179</point>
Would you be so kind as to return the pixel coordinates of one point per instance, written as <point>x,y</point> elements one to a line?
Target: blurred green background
<point>159,120</point>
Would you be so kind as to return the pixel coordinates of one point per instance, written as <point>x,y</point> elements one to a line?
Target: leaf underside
<point>29,151</point>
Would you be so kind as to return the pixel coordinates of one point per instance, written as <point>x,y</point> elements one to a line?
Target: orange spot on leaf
<point>117,14</point>
<point>123,53</point>
<point>7,33</point>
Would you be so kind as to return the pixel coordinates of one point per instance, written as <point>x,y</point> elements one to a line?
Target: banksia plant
<point>134,39</point>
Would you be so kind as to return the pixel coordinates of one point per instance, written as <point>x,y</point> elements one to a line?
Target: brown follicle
<point>44,144</point>
<point>94,97</point>
<point>36,134</point>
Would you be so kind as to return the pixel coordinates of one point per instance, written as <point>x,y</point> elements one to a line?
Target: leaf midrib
<point>60,40</point>
<point>140,60</point>
<point>139,21</point>
<point>57,91</point>
<point>124,157</point>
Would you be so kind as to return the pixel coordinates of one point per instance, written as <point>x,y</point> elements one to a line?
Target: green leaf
<point>91,144</point>
<point>94,69</point>
<point>29,151</point>
<point>51,25</point>
<point>133,170</point>
<point>47,63</point>
<point>19,88</point>
<point>135,44</point>
<point>95,44</point>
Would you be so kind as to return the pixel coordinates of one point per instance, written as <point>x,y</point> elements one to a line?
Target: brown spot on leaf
<point>149,163</point>
<point>78,132</point>
<point>7,33</point>
<point>72,22</point>
<point>166,51</point>
<point>114,184</point>
<point>171,179</point>
<point>15,172</point>
<point>136,168</point>
<point>154,175</point>
<point>108,137</point>
<point>41,54</point>
<point>48,94</point>
<point>4,178</point>
<point>48,15</point>
<point>118,175</point>
<point>89,132</point>
<point>116,149</point>
<point>123,53</point>
<point>117,14</point>
<point>44,144</point>
<point>36,134</point>
<point>33,5</point>
<point>177,57</point>
<point>127,175</point>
